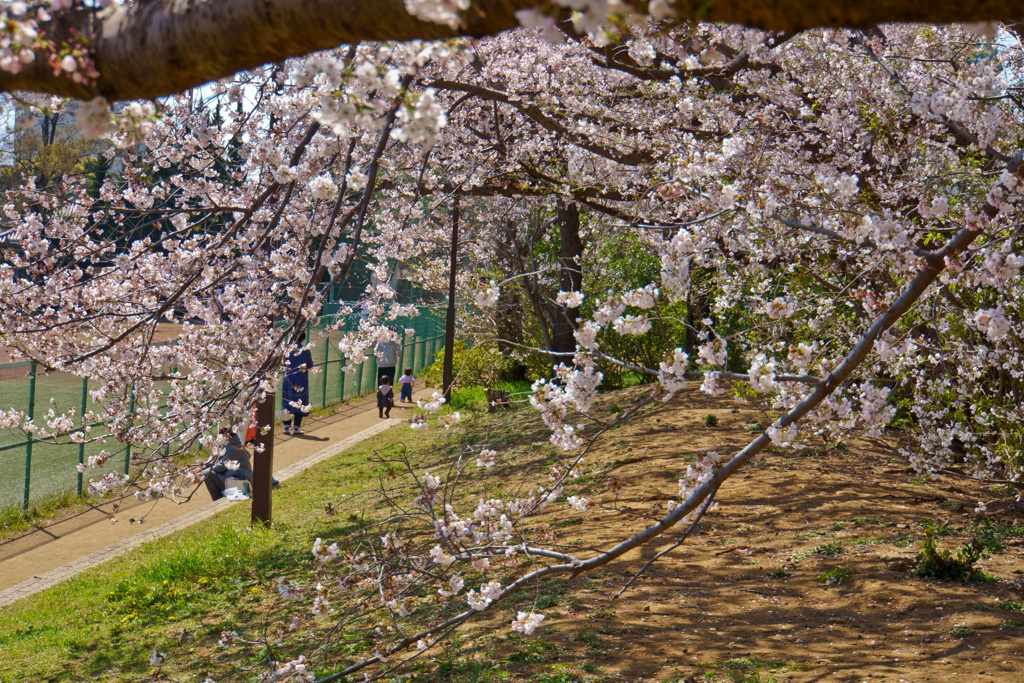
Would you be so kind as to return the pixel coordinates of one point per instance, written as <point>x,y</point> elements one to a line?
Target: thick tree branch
<point>156,48</point>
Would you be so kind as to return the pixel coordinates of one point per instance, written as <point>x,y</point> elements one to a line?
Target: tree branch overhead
<point>152,49</point>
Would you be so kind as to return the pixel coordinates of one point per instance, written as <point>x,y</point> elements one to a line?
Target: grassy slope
<point>215,576</point>
<point>765,544</point>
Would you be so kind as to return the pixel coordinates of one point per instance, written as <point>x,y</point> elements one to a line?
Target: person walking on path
<point>385,397</point>
<point>233,463</point>
<point>407,380</point>
<point>295,392</point>
<point>387,355</point>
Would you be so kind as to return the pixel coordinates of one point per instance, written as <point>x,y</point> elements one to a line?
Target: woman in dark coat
<point>295,393</point>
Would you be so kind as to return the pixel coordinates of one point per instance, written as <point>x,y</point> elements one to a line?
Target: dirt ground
<point>742,600</point>
<point>164,332</point>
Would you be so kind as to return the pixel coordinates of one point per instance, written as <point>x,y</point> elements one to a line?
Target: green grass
<point>807,534</point>
<point>472,398</point>
<point>903,539</point>
<point>834,577</point>
<point>14,520</point>
<point>101,625</point>
<point>215,576</point>
<point>751,669</point>
<point>534,650</point>
<point>962,631</point>
<point>178,594</point>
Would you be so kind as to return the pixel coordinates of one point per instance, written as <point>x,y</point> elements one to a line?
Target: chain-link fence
<point>33,469</point>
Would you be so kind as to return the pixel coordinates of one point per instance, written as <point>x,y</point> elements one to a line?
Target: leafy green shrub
<point>619,262</point>
<point>944,565</point>
<point>711,421</point>
<point>936,528</point>
<point>482,365</point>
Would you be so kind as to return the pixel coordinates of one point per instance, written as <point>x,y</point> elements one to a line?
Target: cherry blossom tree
<point>237,208</point>
<point>843,202</point>
<point>845,195</point>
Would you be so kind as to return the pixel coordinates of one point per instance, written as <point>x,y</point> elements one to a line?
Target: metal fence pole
<point>341,380</point>
<point>359,379</point>
<point>327,350</point>
<point>417,352</point>
<point>400,361</point>
<point>28,442</point>
<point>424,333</point>
<point>81,446</point>
<point>128,438</point>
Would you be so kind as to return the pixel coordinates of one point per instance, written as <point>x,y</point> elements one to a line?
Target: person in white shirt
<point>387,357</point>
<point>406,381</point>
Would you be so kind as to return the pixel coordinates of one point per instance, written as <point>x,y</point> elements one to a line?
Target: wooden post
<point>263,461</point>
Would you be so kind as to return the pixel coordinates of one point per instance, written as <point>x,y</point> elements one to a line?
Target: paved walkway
<point>51,554</point>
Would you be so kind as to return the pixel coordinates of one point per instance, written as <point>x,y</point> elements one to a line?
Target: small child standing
<point>406,381</point>
<point>385,397</point>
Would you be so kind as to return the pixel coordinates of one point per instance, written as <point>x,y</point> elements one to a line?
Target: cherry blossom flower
<point>527,622</point>
<point>437,11</point>
<point>486,297</point>
<point>780,308</point>
<point>570,299</point>
<point>324,553</point>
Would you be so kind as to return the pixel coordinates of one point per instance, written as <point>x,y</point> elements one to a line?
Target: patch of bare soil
<point>748,598</point>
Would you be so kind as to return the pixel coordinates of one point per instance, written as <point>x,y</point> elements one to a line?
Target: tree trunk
<point>449,322</point>
<point>509,312</point>
<point>570,258</point>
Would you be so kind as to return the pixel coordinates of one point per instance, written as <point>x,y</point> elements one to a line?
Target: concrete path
<point>48,555</point>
